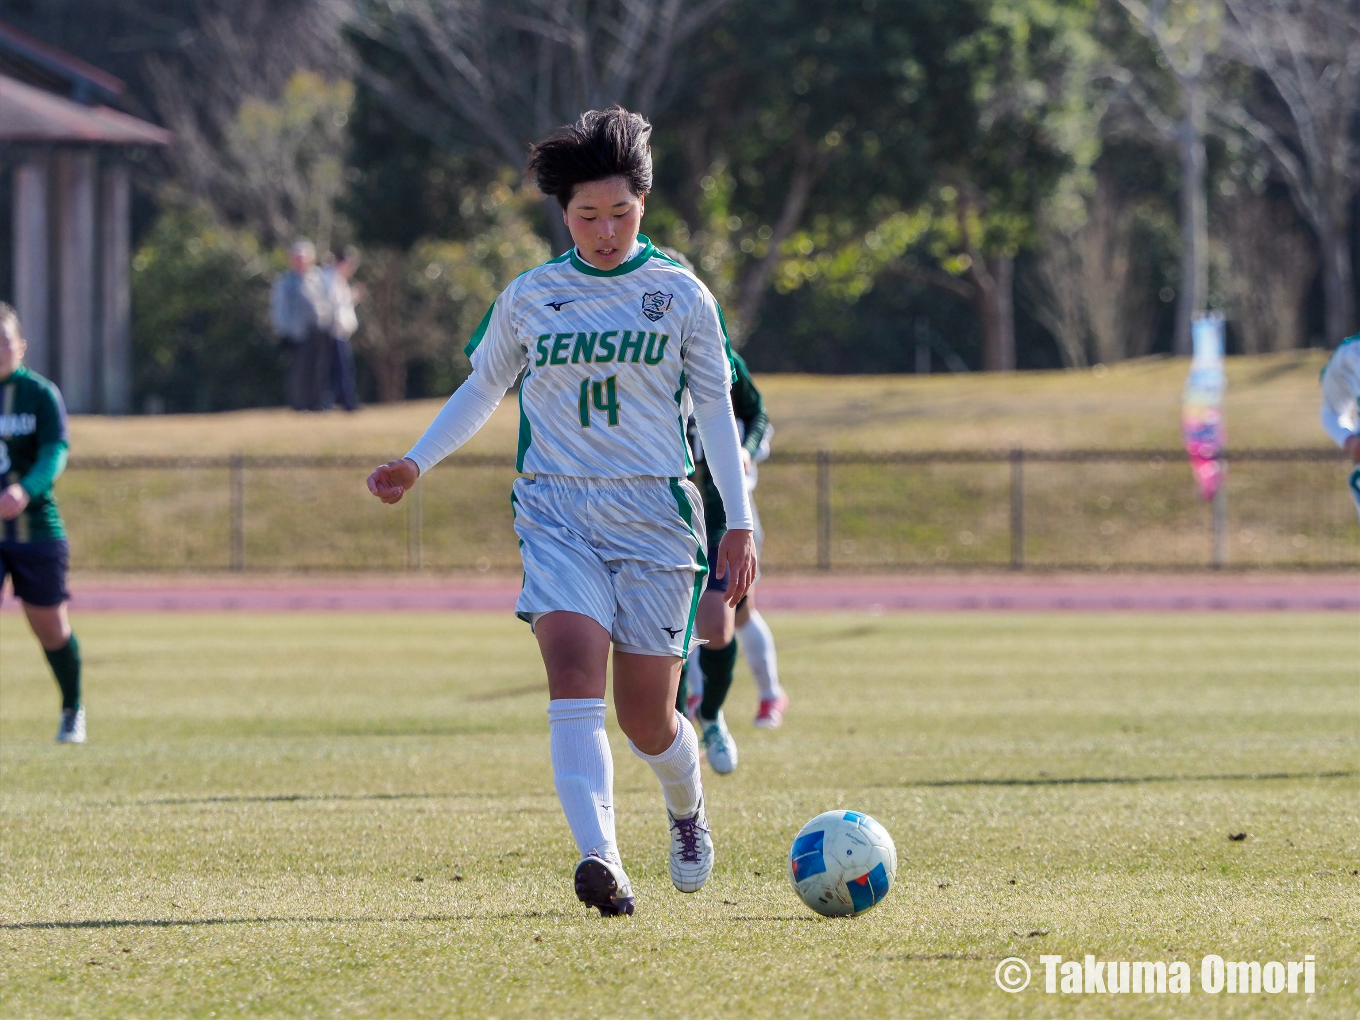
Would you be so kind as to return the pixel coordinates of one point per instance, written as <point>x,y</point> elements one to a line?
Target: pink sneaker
<point>692,707</point>
<point>771,713</point>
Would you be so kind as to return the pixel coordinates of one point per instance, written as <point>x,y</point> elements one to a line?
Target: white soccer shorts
<point>626,552</point>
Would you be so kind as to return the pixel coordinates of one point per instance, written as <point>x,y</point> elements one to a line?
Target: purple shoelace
<point>689,830</point>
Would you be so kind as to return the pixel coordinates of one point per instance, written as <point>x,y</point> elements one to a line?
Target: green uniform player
<point>720,624</point>
<point>33,549</point>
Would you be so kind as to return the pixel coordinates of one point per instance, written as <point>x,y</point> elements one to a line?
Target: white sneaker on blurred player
<point>719,747</point>
<point>72,728</point>
<point>691,850</point>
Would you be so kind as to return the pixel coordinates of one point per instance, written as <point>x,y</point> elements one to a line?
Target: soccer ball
<point>842,863</point>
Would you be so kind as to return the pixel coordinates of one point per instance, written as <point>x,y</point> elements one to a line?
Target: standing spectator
<point>342,298</point>
<point>301,317</point>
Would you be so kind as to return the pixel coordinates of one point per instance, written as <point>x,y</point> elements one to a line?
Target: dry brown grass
<point>1272,401</point>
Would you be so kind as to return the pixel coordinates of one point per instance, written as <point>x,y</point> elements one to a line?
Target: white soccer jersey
<point>613,362</point>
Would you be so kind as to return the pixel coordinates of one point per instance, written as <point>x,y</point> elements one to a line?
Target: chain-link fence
<point>1106,509</point>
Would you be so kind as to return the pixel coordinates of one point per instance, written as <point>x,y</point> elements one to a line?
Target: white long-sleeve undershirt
<point>1334,426</point>
<point>457,421</point>
<point>722,452</point>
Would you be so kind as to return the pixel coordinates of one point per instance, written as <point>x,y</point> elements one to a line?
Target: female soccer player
<point>33,542</point>
<point>617,345</point>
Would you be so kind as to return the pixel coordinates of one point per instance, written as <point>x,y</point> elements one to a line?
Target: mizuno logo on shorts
<point>672,631</point>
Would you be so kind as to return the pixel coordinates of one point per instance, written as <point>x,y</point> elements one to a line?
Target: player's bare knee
<point>650,731</point>
<point>49,625</point>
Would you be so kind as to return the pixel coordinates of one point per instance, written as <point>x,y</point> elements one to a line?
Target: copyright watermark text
<point>1090,976</point>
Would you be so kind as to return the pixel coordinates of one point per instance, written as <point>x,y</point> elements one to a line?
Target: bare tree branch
<point>1308,51</point>
<point>933,277</point>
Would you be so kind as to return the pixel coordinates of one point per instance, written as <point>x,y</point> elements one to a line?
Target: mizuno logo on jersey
<point>656,305</point>
<point>599,348</point>
<point>556,306</point>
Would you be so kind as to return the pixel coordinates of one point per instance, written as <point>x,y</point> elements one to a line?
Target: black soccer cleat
<point>603,885</point>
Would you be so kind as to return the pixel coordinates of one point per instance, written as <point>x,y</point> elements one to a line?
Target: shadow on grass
<point>1101,780</point>
<point>846,634</point>
<point>303,798</point>
<point>196,922</point>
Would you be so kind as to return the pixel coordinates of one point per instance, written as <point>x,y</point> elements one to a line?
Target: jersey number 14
<point>603,396</point>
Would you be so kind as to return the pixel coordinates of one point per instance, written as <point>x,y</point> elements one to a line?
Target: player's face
<point>11,352</point>
<point>604,218</point>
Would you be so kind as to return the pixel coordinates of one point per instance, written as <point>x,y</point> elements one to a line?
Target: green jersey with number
<point>612,361</point>
<point>33,441</point>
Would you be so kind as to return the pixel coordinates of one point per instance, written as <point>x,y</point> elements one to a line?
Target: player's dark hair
<point>602,144</point>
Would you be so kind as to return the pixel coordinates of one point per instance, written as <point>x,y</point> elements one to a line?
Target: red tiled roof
<point>29,114</point>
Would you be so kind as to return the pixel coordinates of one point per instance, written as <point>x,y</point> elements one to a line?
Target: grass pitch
<point>354,816</point>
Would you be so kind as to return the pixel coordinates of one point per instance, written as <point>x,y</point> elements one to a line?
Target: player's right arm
<point>497,357</point>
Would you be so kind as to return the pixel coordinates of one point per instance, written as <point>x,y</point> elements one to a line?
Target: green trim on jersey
<point>526,431</point>
<point>727,340</point>
<point>680,421</point>
<point>636,262</point>
<point>682,504</point>
<point>480,331</point>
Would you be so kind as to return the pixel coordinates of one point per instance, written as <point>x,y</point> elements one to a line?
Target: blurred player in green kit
<point>33,549</point>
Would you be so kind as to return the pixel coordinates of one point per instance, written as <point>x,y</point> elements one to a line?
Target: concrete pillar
<point>76,250</point>
<point>31,297</point>
<point>115,324</point>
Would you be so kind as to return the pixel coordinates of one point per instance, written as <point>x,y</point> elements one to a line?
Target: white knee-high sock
<point>694,676</point>
<point>583,772</point>
<point>757,645</point>
<point>678,769</point>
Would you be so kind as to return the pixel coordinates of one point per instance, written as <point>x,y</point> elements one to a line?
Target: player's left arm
<point>705,353</point>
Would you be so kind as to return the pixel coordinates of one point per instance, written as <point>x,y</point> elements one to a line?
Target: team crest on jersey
<point>656,305</point>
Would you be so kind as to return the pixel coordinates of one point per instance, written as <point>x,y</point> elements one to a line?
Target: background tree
<point>1185,34</point>
<point>808,118</point>
<point>247,146</point>
<point>282,163</point>
<point>423,302</point>
<point>1272,263</point>
<point>1304,114</point>
<point>489,78</point>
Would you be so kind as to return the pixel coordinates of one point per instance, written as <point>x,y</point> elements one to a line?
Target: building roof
<point>29,114</point>
<point>30,59</point>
